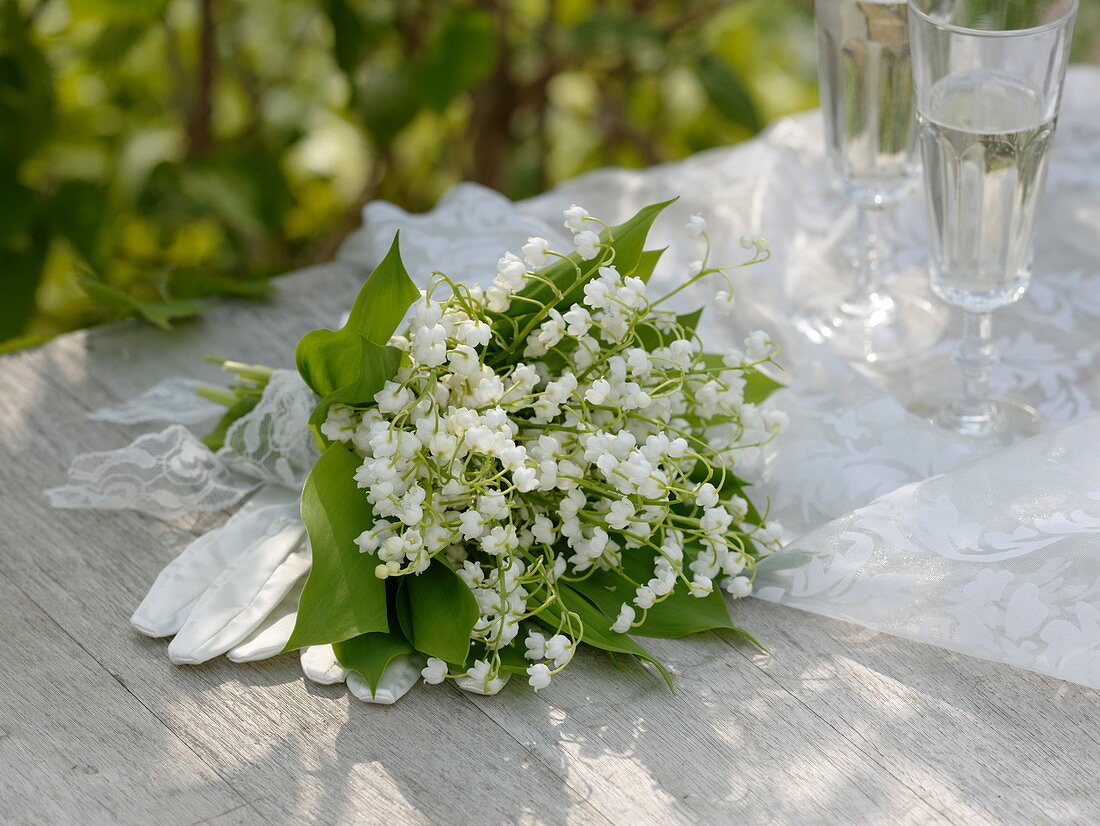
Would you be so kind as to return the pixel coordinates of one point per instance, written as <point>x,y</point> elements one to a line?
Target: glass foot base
<point>883,328</point>
<point>1005,422</point>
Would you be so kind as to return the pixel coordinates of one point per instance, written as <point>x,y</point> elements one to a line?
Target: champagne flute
<point>870,130</point>
<point>988,76</point>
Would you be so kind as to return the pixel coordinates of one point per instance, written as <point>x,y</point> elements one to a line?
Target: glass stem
<point>867,297</point>
<point>976,356</point>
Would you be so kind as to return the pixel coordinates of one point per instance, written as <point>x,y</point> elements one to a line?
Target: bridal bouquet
<point>517,471</point>
<point>546,463</point>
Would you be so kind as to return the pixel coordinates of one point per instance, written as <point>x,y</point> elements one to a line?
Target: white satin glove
<point>235,591</point>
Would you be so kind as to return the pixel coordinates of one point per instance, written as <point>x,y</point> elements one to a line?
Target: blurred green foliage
<point>155,153</point>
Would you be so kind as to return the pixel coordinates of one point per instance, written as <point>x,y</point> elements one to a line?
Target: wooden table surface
<point>836,725</point>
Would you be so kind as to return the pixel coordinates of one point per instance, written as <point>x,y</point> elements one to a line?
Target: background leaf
<point>349,35</point>
<point>243,139</point>
<point>200,283</point>
<point>387,101</point>
<point>26,88</point>
<point>22,272</point>
<point>121,11</point>
<point>727,92</point>
<point>160,313</point>
<point>80,210</point>
<point>461,54</point>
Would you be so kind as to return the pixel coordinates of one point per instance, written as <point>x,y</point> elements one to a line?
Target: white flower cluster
<point>593,433</point>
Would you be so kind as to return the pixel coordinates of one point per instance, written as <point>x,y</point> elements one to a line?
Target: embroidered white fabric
<point>997,559</point>
<point>902,527</point>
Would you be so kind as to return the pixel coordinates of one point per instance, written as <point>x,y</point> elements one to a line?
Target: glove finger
<point>184,580</point>
<point>239,600</point>
<point>320,665</point>
<point>272,635</point>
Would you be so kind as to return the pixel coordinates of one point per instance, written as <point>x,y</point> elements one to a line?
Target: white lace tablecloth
<point>901,526</point>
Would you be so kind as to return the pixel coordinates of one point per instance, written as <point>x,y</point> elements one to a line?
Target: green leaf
<point>759,386</point>
<point>689,321</point>
<point>652,338</point>
<point>597,627</point>
<point>461,54</point>
<point>678,615</point>
<point>647,263</point>
<point>727,92</point>
<point>629,240</point>
<point>160,313</point>
<point>627,249</point>
<point>442,612</point>
<point>377,364</point>
<point>387,101</point>
<point>331,360</point>
<point>342,597</point>
<point>512,659</point>
<point>369,654</point>
<point>401,608</point>
<point>348,35</point>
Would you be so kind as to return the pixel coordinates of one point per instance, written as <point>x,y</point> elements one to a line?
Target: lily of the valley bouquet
<point>510,473</point>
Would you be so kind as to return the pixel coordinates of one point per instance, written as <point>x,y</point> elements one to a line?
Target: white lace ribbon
<point>172,472</point>
<point>172,400</point>
<point>163,474</point>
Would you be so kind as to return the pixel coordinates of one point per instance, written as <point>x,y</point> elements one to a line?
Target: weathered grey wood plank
<point>838,725</point>
<point>730,746</point>
<point>983,741</point>
<point>76,746</point>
